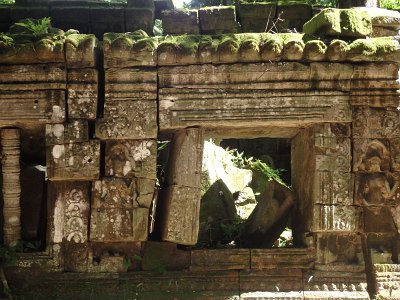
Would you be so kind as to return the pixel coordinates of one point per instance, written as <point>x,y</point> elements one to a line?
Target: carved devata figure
<point>380,187</point>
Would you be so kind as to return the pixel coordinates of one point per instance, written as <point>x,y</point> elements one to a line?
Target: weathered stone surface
<point>376,123</point>
<point>185,158</point>
<point>71,211</point>
<point>217,20</point>
<point>179,21</point>
<point>378,219</point>
<point>35,106</point>
<point>131,158</point>
<point>82,93</point>
<point>216,108</point>
<point>163,256</point>
<point>385,22</point>
<point>282,258</point>
<point>74,161</point>
<point>291,16</point>
<point>77,257</point>
<point>395,154</point>
<point>48,49</point>
<point>107,19</point>
<point>116,193</point>
<point>256,17</point>
<point>129,49</point>
<point>120,211</point>
<point>371,155</point>
<point>130,84</point>
<point>388,280</point>
<point>271,280</point>
<point>220,259</point>
<point>71,16</point>
<point>33,77</point>
<point>81,51</point>
<point>338,249</point>
<point>73,131</point>
<point>340,22</point>
<point>335,284</point>
<point>335,217</point>
<point>377,189</point>
<point>180,222</point>
<point>139,18</point>
<point>133,119</point>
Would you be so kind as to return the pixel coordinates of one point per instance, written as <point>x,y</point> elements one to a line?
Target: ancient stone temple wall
<point>103,110</point>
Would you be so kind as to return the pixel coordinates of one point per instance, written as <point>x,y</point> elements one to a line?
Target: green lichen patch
<point>375,47</point>
<point>333,22</point>
<point>184,44</point>
<point>77,39</point>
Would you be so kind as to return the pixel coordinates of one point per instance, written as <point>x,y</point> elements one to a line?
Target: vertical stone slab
<point>185,160</point>
<point>303,162</point>
<point>10,156</point>
<point>71,211</point>
<point>120,209</point>
<point>180,214</point>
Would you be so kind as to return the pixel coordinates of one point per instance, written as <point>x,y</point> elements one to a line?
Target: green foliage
<point>5,40</point>
<point>34,26</point>
<point>231,230</point>
<point>390,4</point>
<point>2,2</point>
<point>8,255</point>
<point>258,165</point>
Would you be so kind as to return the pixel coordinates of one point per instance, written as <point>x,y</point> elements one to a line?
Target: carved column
<point>10,141</point>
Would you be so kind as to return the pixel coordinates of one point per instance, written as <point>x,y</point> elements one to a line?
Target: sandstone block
<point>335,217</point>
<point>27,106</point>
<point>79,161</point>
<point>128,120</point>
<point>340,22</point>
<point>71,211</point>
<point>180,222</point>
<point>178,21</point>
<point>73,131</point>
<point>376,122</point>
<point>81,51</point>
<point>256,17</point>
<point>139,18</point>
<point>129,49</point>
<point>217,20</point>
<point>131,158</point>
<point>120,211</point>
<point>338,249</point>
<point>82,93</point>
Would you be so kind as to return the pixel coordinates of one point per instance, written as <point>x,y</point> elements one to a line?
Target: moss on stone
<point>365,47</point>
<point>327,21</point>
<point>340,22</point>
<point>217,8</point>
<point>228,43</point>
<point>315,46</point>
<point>355,23</point>
<point>385,45</point>
<point>77,39</point>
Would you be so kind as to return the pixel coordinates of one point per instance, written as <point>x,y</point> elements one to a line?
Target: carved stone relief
<point>120,209</point>
<point>128,158</point>
<point>71,211</point>
<point>74,161</point>
<point>133,119</point>
<point>376,123</point>
<point>371,155</point>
